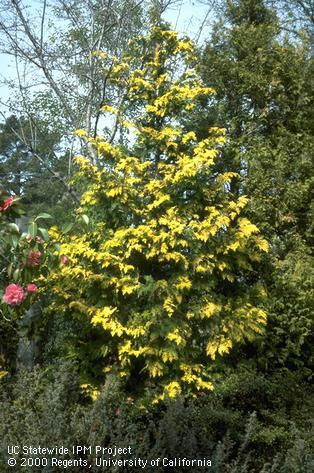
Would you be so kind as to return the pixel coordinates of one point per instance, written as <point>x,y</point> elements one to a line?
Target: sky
<point>186,17</point>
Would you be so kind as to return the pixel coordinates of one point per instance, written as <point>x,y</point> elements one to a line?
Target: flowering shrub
<point>25,260</point>
<point>162,269</point>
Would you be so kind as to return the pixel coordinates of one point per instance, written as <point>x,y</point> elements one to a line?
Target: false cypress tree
<point>163,272</point>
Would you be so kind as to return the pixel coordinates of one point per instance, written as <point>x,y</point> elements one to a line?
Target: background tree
<point>33,172</point>
<point>265,96</point>
<point>297,16</point>
<point>71,86</point>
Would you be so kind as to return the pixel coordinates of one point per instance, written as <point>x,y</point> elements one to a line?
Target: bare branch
<point>42,25</point>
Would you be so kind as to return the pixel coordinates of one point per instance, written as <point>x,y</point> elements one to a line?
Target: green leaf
<point>14,227</point>
<point>14,240</point>
<point>85,219</point>
<point>66,228</point>
<point>44,216</point>
<point>32,229</point>
<point>57,247</point>
<point>44,234</point>
<point>10,269</point>
<point>104,350</point>
<point>16,274</point>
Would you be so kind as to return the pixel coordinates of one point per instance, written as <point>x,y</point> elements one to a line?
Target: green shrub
<point>46,407</point>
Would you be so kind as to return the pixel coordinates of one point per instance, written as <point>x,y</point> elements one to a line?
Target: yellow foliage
<point>81,133</point>
<point>262,244</point>
<point>90,391</point>
<point>175,337</point>
<point>219,346</point>
<point>210,309</point>
<point>173,389</point>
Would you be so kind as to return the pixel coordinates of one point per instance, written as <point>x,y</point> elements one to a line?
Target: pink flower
<point>14,294</point>
<point>6,204</point>
<point>33,258</point>
<point>64,260</point>
<point>31,288</point>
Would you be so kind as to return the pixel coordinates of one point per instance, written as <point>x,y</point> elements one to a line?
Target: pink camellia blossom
<point>6,204</point>
<point>14,294</point>
<point>64,260</point>
<point>31,288</point>
<point>33,258</point>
